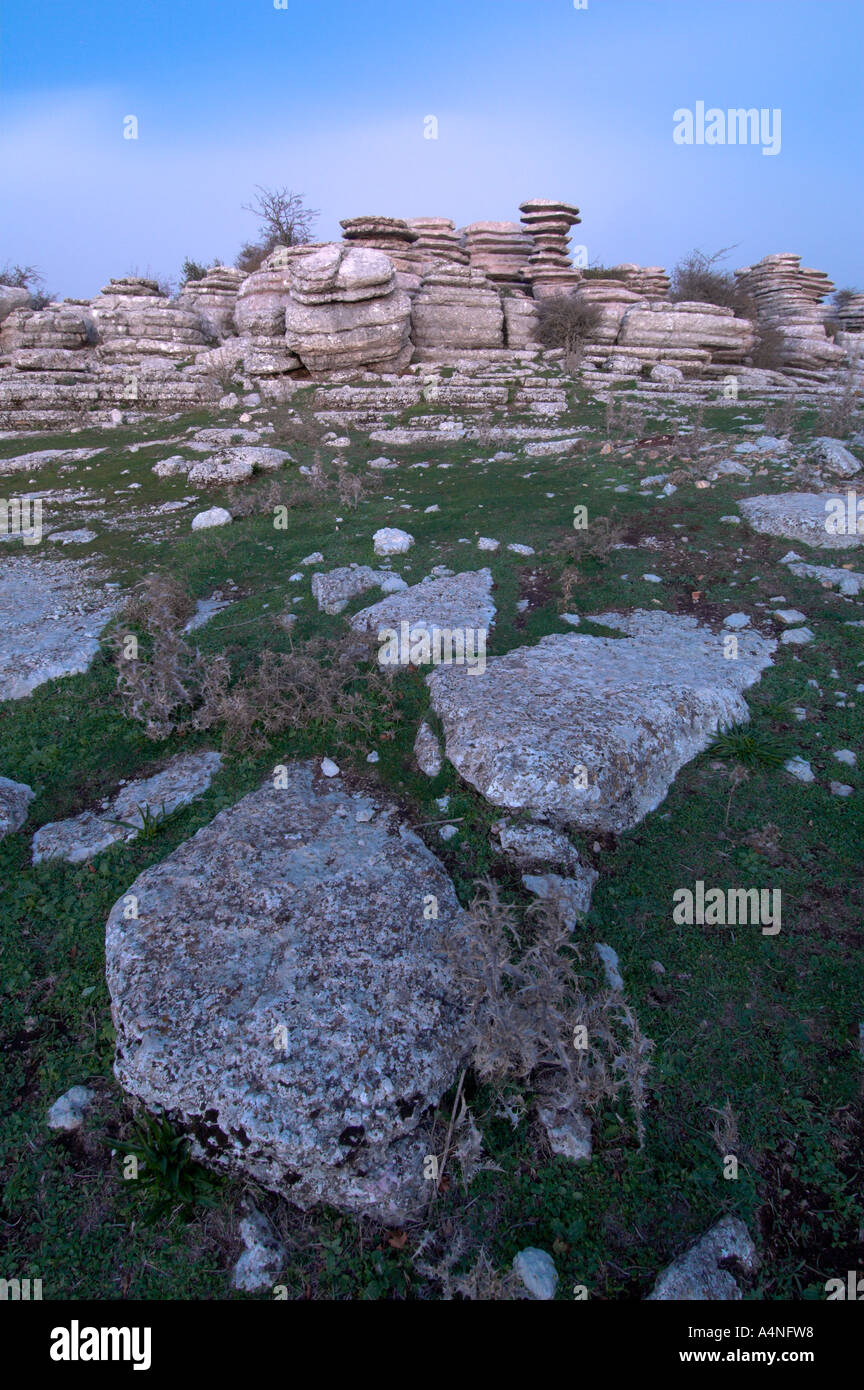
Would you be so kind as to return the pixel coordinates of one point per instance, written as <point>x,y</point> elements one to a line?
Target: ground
<point>752,1033</point>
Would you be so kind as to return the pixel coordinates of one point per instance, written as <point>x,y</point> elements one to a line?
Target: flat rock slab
<point>798,516</point>
<point>283,996</point>
<point>591,731</point>
<point>82,837</point>
<point>334,590</point>
<point>53,613</point>
<point>31,463</point>
<point>459,601</point>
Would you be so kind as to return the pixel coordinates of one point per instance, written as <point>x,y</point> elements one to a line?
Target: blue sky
<point>532,98</point>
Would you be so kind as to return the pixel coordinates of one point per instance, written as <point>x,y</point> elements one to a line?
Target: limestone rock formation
<point>457,307</point>
<point>213,298</point>
<point>346,312</point>
<point>501,250</point>
<point>134,319</point>
<point>788,299</point>
<point>550,269</point>
<point>282,995</point>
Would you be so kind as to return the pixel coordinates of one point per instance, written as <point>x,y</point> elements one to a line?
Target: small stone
<point>67,1113</point>
<point>841,788</point>
<point>389,540</point>
<point>797,636</point>
<point>537,1271</point>
<point>372,757</point>
<point>316,558</point>
<point>845,755</point>
<point>448,832</point>
<point>652,578</point>
<point>329,768</point>
<point>214,516</point>
<point>790,616</point>
<point>518,549</point>
<point>488,543</point>
<point>800,769</point>
<point>610,966</point>
<point>736,620</point>
<point>427,751</point>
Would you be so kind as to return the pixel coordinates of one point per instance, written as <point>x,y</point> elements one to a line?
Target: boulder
<point>282,994</point>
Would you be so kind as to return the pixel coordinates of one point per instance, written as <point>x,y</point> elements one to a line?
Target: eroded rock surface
<point>282,994</point>
<point>591,731</point>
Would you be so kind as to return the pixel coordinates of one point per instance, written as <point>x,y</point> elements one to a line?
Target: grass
<point>767,1027</point>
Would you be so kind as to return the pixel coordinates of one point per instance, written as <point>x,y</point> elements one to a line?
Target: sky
<point>332,98</point>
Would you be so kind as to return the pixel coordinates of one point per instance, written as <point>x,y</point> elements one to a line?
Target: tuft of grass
<point>751,747</point>
<point>169,1177</point>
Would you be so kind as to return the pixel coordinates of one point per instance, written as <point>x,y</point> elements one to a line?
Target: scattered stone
<point>389,540</point>
<point>487,543</point>
<point>789,616</point>
<point>537,1271</point>
<point>571,896</point>
<point>841,788</point>
<point>518,549</point>
<point>737,620</point>
<point>568,1135</point>
<point>316,558</point>
<point>334,590</point>
<point>846,755</point>
<point>427,751</point>
<point>67,1113</point>
<point>262,1256</point>
<point>329,768</point>
<point>592,730</point>
<point>832,456</point>
<point>609,959</point>
<point>797,516</point>
<point>214,516</point>
<point>81,837</point>
<point>699,1276</point>
<point>459,602</point>
<point>53,612</point>
<point>800,769</point>
<point>797,636</point>
<point>15,797</point>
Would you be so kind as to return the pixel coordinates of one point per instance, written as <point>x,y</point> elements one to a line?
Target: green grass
<point>769,1025</point>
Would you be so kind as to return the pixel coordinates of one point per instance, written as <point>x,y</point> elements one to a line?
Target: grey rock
<point>214,516</point>
<point>698,1275</point>
<point>262,1255</point>
<point>537,1272</point>
<point>334,590</point>
<point>67,1112</point>
<point>797,516</point>
<point>283,995</point>
<point>567,1134</point>
<point>571,896</point>
<point>427,751</point>
<point>630,711</point>
<point>832,456</point>
<point>609,960</point>
<point>83,837</point>
<point>462,601</point>
<point>53,612</point>
<point>15,797</point>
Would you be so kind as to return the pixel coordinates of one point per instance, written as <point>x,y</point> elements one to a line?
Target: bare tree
<point>285,221</point>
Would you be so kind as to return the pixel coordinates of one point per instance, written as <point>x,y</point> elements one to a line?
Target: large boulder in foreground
<point>282,995</point>
<point>591,731</point>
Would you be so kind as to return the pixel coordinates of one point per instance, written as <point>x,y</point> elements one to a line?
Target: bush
<point>604,272</point>
<point>565,321</point>
<point>285,220</point>
<point>193,270</point>
<point>697,279</point>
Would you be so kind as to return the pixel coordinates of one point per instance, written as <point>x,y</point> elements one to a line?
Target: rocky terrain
<point>308,918</point>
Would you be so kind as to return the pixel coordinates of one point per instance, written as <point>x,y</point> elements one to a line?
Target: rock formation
<point>550,269</point>
<point>213,298</point>
<point>457,308</point>
<point>501,250</point>
<point>788,301</point>
<point>345,311</point>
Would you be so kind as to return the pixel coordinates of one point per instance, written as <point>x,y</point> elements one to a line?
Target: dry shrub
<point>780,418</point>
<point>158,602</point>
<point>436,1261</point>
<point>337,685</point>
<point>770,350</point>
<point>697,279</point>
<point>524,1000</point>
<point>624,417</point>
<point>839,416</point>
<point>334,685</point>
<point>565,321</point>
